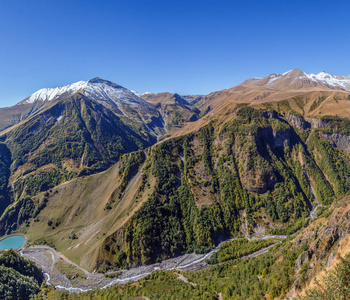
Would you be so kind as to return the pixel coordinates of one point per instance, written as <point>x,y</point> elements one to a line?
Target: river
<point>181,262</point>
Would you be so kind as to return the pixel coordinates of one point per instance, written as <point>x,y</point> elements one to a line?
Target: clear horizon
<point>187,47</point>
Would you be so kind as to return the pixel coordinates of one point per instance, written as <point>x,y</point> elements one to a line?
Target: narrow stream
<point>313,213</point>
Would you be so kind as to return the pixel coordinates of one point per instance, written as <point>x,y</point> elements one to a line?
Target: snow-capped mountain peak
<point>113,96</point>
<point>96,88</point>
<point>297,79</point>
<point>331,80</point>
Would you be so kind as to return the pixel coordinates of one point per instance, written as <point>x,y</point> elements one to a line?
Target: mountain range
<point>136,178</point>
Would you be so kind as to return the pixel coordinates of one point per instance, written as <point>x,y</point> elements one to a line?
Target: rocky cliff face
<point>296,121</point>
<point>259,175</point>
<point>304,123</point>
<point>338,140</point>
<point>327,237</point>
<point>317,123</point>
<point>341,141</point>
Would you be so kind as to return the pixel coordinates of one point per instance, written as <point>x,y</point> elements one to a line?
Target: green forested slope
<point>19,278</point>
<point>75,137</point>
<point>5,162</point>
<point>255,170</point>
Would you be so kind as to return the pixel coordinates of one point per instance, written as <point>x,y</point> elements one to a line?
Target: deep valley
<point>242,193</point>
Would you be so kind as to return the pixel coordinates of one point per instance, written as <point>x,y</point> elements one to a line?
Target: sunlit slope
<point>76,136</point>
<point>79,214</point>
<point>257,173</point>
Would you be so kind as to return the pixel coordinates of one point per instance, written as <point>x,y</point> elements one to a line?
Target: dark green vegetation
<point>269,274</point>
<point>334,164</point>
<point>335,284</point>
<point>212,181</point>
<point>19,278</point>
<point>334,124</point>
<point>227,179</point>
<point>5,162</point>
<point>238,248</point>
<point>16,214</point>
<point>75,137</point>
<point>130,166</point>
<point>243,172</point>
<point>89,135</point>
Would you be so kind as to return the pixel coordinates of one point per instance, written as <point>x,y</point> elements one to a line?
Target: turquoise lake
<point>13,242</point>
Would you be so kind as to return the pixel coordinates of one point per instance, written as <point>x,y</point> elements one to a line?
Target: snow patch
<point>136,93</point>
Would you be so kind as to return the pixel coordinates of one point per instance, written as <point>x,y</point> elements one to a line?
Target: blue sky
<point>189,47</point>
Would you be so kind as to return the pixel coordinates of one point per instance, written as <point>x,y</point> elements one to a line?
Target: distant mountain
<point>120,100</point>
<point>57,134</point>
<point>307,94</point>
<point>109,94</point>
<point>157,116</point>
<point>297,79</point>
<point>175,109</point>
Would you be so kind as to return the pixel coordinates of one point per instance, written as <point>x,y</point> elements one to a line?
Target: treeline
<point>335,124</point>
<point>18,213</point>
<point>130,164</point>
<point>333,163</point>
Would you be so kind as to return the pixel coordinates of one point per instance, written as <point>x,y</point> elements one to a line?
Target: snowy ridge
<point>332,80</point>
<point>322,78</point>
<point>99,89</point>
<point>121,101</point>
<point>50,94</point>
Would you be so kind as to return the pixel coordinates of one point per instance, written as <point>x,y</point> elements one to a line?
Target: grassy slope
<point>79,206</point>
<point>75,135</point>
<point>314,102</point>
<point>72,138</point>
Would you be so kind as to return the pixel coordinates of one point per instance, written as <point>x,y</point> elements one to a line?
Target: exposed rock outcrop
<point>303,258</point>
<point>297,121</point>
<point>341,141</point>
<point>317,123</point>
